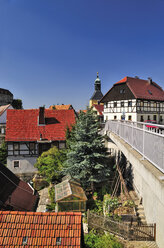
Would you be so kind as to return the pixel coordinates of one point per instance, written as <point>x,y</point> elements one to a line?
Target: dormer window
<point>150,92</point>
<point>58,241</point>
<point>25,239</point>
<point>122,91</point>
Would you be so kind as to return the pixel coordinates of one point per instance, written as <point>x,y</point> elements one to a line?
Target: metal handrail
<point>149,142</point>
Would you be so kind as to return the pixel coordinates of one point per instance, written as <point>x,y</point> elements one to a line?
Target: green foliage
<point>3,153</point>
<point>129,203</point>
<point>111,203</point>
<point>51,192</point>
<point>93,240</point>
<point>17,104</point>
<point>50,163</point>
<point>87,155</point>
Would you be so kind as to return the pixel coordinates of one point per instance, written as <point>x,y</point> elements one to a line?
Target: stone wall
<point>149,185</point>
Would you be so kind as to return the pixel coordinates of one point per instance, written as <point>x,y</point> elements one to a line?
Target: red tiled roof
<point>15,194</point>
<point>61,107</point>
<point>40,229</point>
<point>142,88</point>
<point>99,108</point>
<point>22,125</point>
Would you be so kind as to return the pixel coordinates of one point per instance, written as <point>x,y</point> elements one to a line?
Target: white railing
<point>149,142</point>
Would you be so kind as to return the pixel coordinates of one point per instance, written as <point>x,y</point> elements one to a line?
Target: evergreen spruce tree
<point>87,155</point>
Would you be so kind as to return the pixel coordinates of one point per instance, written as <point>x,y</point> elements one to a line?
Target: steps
<point>141,219</point>
<point>140,214</point>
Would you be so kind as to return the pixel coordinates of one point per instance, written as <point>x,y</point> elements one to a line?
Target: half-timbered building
<point>134,99</point>
<point>31,132</point>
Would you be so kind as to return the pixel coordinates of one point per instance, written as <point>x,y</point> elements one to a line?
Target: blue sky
<point>51,50</point>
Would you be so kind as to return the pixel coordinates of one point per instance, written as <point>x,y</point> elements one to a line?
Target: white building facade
<point>134,99</point>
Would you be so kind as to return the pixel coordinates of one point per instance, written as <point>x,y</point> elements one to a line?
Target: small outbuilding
<point>70,196</point>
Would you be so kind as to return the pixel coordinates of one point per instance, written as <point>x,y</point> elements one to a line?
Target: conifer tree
<point>87,155</point>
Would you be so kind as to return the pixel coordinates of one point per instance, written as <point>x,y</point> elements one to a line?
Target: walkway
<point>43,201</point>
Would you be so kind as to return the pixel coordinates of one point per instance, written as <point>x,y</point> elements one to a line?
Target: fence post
<point>143,140</point>
<point>88,216</point>
<point>155,232</point>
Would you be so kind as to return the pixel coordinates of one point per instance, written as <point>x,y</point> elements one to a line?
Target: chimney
<point>41,120</point>
<point>149,80</point>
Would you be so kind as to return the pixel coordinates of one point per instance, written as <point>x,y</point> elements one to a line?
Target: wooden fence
<point>126,231</point>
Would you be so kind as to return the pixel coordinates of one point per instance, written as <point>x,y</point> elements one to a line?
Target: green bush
<point>93,240</point>
<point>128,203</point>
<point>52,205</point>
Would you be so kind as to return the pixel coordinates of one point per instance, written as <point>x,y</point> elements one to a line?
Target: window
<point>129,103</point>
<point>161,119</point>
<point>141,103</point>
<point>122,91</point>
<point>142,119</point>
<point>122,104</point>
<point>154,117</point>
<point>115,104</point>
<point>16,146</point>
<point>115,117</point>
<point>16,163</point>
<point>32,146</point>
<point>129,118</point>
<point>58,241</point>
<point>155,104</point>
<point>24,241</point>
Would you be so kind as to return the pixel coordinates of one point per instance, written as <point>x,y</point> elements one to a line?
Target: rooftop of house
<point>61,107</point>
<point>33,124</point>
<point>15,194</point>
<point>35,229</point>
<point>3,108</point>
<point>99,108</point>
<point>141,89</point>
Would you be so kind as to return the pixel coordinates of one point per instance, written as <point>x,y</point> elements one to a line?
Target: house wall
<point>138,111</point>
<point>4,115</point>
<point>26,164</point>
<point>111,112</point>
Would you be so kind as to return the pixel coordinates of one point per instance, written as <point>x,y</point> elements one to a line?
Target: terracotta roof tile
<point>13,229</point>
<point>141,88</point>
<point>99,108</point>
<point>22,125</point>
<point>16,194</point>
<point>61,107</point>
